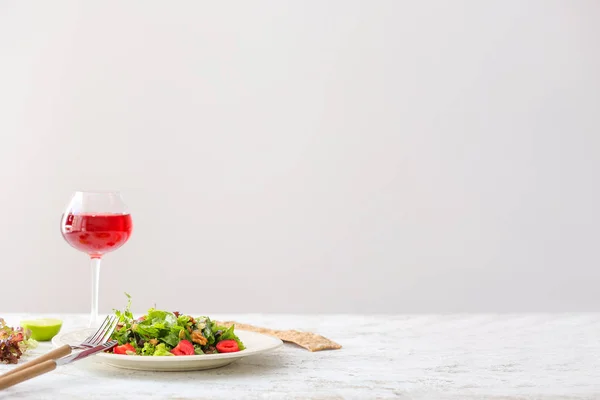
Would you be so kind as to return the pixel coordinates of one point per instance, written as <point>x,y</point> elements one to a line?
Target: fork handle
<point>52,355</point>
<point>32,372</point>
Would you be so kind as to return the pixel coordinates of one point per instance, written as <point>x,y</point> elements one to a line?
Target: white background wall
<point>305,156</point>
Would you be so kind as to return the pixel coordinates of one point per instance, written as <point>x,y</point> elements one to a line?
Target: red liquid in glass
<point>96,234</point>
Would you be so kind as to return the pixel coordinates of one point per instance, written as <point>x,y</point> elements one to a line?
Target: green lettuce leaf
<point>122,335</point>
<point>147,331</point>
<point>148,349</point>
<point>161,350</point>
<point>166,318</point>
<point>125,315</point>
<point>29,343</point>
<point>208,331</point>
<point>183,320</point>
<point>172,337</point>
<point>157,324</point>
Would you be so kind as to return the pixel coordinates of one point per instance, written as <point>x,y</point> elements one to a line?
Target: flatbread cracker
<point>310,341</point>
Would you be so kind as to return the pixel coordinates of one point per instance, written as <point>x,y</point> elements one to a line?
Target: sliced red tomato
<point>227,346</point>
<point>184,348</point>
<point>177,352</point>
<point>123,349</point>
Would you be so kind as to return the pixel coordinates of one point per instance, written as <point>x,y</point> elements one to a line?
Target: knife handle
<point>52,355</point>
<point>26,374</point>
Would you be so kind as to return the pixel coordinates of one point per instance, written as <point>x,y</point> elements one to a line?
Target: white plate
<point>255,343</point>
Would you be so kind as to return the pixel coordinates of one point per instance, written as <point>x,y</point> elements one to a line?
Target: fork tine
<point>93,337</point>
<point>112,324</point>
<point>110,344</point>
<point>99,338</point>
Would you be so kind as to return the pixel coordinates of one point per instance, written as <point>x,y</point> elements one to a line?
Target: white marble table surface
<point>544,356</point>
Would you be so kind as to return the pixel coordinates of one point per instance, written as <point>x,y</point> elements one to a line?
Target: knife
<point>50,365</point>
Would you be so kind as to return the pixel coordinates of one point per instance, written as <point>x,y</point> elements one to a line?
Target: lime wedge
<point>42,329</point>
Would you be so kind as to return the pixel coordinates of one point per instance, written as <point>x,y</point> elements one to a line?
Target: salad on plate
<point>166,333</point>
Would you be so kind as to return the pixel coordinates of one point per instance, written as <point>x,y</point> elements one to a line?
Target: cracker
<point>310,341</point>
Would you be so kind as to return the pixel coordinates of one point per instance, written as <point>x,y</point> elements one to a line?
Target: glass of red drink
<point>96,223</point>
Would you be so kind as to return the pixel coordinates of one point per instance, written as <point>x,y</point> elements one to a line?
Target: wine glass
<point>96,223</point>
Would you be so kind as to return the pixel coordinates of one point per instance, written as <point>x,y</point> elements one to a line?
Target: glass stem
<point>95,262</point>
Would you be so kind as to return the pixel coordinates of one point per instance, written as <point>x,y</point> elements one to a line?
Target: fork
<point>97,338</point>
<point>101,336</point>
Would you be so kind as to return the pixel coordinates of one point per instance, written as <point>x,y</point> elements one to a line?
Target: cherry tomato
<point>123,349</point>
<point>184,348</point>
<point>227,346</point>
